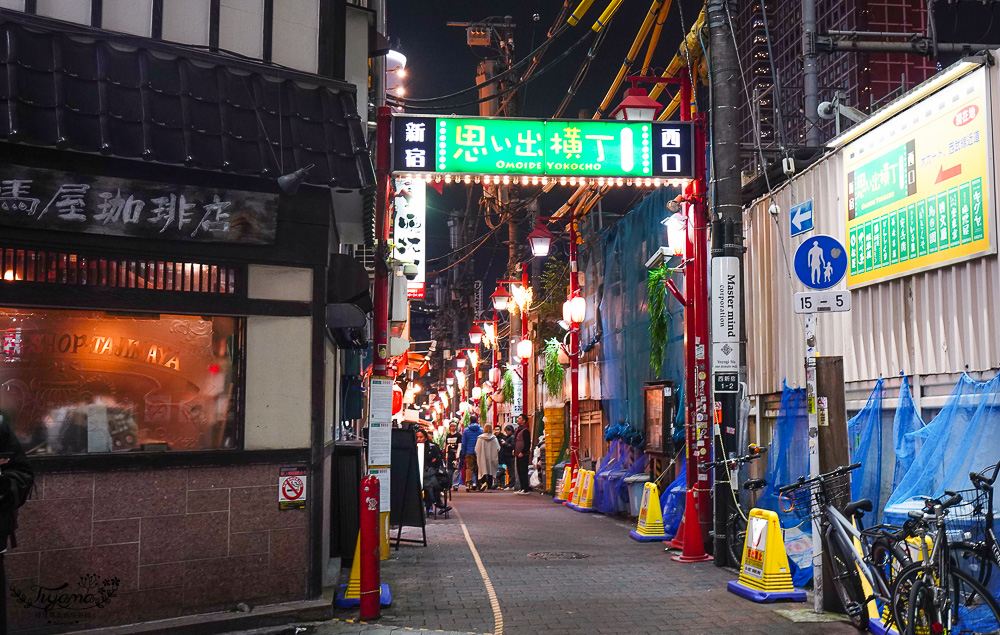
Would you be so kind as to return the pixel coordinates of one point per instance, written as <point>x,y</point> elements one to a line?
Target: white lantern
<point>495,376</point>
<point>676,234</point>
<point>477,393</point>
<point>577,309</point>
<point>524,349</point>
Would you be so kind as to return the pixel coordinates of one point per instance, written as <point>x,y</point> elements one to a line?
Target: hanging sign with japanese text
<point>64,201</point>
<point>535,147</point>
<point>408,233</point>
<point>919,186</point>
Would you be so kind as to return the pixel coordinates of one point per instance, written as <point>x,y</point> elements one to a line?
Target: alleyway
<point>617,585</point>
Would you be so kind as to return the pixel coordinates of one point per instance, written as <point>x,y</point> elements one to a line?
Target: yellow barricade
<point>764,572</point>
<point>565,490</point>
<point>650,527</point>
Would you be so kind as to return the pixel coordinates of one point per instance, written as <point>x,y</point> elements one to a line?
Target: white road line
<point>494,603</point>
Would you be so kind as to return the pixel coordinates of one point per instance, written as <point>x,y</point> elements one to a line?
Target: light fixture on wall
<point>289,183</point>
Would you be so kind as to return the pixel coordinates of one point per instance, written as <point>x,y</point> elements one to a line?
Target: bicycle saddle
<point>858,508</point>
<point>754,484</point>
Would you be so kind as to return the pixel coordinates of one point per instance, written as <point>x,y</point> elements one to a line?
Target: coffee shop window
<point>75,382</point>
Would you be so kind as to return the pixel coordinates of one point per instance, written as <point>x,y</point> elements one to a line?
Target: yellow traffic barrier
<point>586,503</point>
<point>577,489</point>
<point>764,572</point>
<point>565,490</point>
<point>650,527</point>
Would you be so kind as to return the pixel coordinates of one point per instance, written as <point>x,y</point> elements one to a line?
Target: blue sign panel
<point>802,217</point>
<point>820,262</point>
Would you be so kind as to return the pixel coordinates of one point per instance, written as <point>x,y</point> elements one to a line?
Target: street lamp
<point>500,298</point>
<point>477,393</point>
<point>637,106</point>
<point>475,335</point>
<point>524,349</point>
<point>460,362</point>
<point>540,240</point>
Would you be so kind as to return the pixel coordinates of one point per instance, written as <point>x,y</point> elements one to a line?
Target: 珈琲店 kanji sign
<point>535,147</point>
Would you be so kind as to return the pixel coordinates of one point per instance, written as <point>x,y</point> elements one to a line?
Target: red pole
<point>371,589</point>
<point>696,342</point>
<point>574,356</point>
<point>382,224</point>
<point>499,377</point>
<point>524,336</point>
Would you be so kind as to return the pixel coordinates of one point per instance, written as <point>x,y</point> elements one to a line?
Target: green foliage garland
<point>554,372</point>
<point>482,406</point>
<point>656,293</point>
<point>508,384</point>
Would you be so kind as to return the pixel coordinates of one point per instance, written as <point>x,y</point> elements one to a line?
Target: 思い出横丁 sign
<point>918,186</point>
<point>65,201</point>
<point>535,147</point>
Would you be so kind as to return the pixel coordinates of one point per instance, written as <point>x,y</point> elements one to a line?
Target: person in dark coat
<point>522,452</point>
<point>506,439</point>
<point>16,480</point>
<point>469,438</point>
<point>452,444</point>
<point>435,476</point>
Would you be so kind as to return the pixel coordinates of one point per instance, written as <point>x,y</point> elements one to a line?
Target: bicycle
<point>934,595</point>
<point>736,524</point>
<point>979,553</point>
<point>854,551</point>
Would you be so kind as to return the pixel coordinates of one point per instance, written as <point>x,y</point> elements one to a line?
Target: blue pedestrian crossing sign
<point>820,261</point>
<point>801,219</point>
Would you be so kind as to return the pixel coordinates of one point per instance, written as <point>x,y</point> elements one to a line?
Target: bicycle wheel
<point>966,608</point>
<point>978,562</point>
<point>847,580</point>
<point>736,538</point>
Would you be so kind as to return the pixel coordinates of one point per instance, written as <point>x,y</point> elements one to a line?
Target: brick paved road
<point>622,587</point>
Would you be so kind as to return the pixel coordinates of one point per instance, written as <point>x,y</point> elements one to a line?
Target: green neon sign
<point>584,148</point>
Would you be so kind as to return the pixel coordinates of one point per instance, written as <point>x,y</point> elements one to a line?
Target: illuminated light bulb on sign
<point>600,181</point>
<point>468,179</point>
<point>562,180</point>
<point>506,179</point>
<point>656,182</point>
<point>572,180</point>
<point>619,182</point>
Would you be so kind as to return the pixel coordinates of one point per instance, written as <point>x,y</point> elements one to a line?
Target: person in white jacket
<point>487,457</point>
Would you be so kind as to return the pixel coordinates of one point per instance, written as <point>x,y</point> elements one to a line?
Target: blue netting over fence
<point>787,460</point>
<point>905,423</point>
<point>864,436</point>
<point>963,437</point>
<point>624,312</point>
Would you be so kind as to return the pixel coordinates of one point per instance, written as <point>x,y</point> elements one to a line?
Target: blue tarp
<point>904,424</point>
<point>672,501</point>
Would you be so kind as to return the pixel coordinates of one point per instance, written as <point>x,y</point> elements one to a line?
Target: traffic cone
<point>694,548</point>
<point>650,525</point>
<point>565,487</point>
<point>349,595</point>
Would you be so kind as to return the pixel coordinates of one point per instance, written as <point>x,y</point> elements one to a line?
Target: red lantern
<point>397,400</point>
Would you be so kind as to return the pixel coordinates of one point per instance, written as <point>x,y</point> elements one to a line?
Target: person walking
<point>469,438</point>
<point>487,457</point>
<point>452,447</point>
<point>522,453</point>
<point>506,439</point>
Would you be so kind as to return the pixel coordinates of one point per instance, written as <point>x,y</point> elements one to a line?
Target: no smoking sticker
<point>292,488</point>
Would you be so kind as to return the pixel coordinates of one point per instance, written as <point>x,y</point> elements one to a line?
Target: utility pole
<point>728,339</point>
<point>810,74</point>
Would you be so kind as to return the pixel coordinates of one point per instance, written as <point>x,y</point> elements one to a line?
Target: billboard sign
<point>545,148</point>
<point>919,187</point>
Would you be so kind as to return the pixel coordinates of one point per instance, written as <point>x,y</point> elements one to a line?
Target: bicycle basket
<point>967,520</point>
<point>810,500</point>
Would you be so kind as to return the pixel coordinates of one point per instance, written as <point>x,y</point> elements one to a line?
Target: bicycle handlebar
<point>754,453</point>
<point>980,481</point>
<point>803,481</point>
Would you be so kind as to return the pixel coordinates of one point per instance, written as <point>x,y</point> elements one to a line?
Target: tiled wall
<point>180,541</point>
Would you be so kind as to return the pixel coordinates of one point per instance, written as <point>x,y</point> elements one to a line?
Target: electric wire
<point>496,78</point>
<point>560,20</point>
<point>548,67</point>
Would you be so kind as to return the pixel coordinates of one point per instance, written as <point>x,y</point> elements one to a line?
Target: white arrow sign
<point>802,217</point>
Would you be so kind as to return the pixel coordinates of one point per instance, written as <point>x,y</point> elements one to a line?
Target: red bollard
<point>371,607</point>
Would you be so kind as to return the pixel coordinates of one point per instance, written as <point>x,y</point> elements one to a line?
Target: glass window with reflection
<point>76,382</point>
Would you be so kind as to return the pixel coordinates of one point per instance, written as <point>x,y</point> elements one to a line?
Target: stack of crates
<point>555,438</point>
